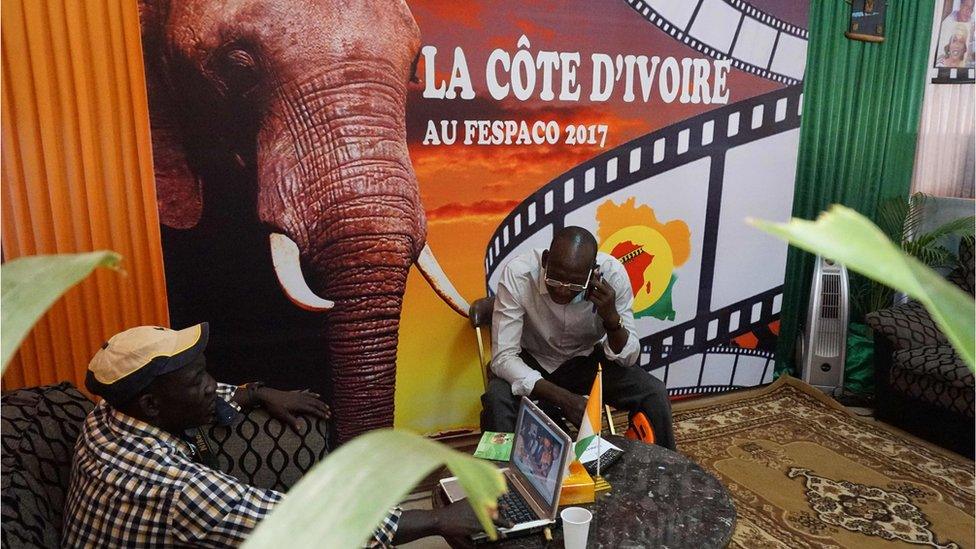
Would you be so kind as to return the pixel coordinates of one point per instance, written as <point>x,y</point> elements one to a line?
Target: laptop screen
<point>538,454</point>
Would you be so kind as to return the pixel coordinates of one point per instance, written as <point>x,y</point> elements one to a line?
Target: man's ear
<point>148,404</point>
<point>545,258</point>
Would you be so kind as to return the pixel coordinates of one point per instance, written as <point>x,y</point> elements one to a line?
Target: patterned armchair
<point>41,424</point>
<point>922,385</point>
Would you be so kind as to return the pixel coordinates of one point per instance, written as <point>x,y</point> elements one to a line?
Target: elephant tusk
<point>431,269</point>
<point>285,257</point>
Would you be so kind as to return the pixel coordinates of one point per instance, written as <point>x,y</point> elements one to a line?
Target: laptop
<point>534,474</point>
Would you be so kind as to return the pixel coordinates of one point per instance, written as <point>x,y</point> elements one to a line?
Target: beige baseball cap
<point>129,361</point>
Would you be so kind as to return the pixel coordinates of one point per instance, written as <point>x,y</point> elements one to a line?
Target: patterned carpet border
<point>689,405</point>
<point>806,472</point>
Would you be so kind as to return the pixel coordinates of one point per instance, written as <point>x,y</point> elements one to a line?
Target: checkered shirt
<point>134,485</point>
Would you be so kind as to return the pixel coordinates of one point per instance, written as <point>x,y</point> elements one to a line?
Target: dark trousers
<point>624,387</point>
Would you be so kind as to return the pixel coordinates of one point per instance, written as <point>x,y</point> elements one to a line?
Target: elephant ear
<point>179,196</point>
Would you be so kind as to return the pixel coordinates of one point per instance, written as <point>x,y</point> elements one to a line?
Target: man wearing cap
<point>137,481</point>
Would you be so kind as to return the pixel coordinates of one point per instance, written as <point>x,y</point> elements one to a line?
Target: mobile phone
<point>595,276</point>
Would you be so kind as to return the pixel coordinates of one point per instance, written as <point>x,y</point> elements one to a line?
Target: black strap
<point>202,452</point>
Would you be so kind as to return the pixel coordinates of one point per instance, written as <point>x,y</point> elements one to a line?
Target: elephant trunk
<point>361,333</point>
<point>337,184</point>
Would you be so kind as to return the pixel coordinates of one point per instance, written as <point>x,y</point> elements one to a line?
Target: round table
<point>658,498</point>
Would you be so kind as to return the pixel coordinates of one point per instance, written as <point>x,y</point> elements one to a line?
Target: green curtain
<point>861,107</point>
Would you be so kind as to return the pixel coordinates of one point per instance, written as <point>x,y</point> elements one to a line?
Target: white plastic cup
<point>576,526</point>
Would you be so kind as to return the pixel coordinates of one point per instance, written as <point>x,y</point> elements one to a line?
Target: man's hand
<point>285,405</point>
<point>457,523</point>
<point>572,405</point>
<point>604,298</point>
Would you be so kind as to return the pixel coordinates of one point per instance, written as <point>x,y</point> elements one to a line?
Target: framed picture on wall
<point>954,58</point>
<point>867,20</point>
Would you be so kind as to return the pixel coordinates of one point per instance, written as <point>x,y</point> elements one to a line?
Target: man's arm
<point>506,337</point>
<point>281,405</point>
<point>614,301</point>
<point>216,510</point>
<point>572,404</point>
<point>386,533</point>
<point>507,322</point>
<point>455,522</point>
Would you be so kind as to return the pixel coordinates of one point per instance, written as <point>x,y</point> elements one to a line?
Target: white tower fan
<point>823,345</point>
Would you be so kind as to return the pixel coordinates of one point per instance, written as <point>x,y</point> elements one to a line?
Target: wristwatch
<point>251,393</point>
<point>614,327</point>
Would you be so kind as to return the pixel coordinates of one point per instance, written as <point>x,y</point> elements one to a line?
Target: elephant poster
<point>336,182</point>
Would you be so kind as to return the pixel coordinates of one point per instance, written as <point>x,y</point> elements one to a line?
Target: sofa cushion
<point>906,326</point>
<point>39,428</point>
<point>41,424</point>
<point>26,517</point>
<point>266,453</point>
<point>936,375</point>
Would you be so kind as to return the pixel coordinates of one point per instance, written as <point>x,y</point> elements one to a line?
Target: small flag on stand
<point>578,485</point>
<point>592,418</point>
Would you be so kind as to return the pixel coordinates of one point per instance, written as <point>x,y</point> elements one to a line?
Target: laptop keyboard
<point>513,507</point>
<point>606,460</point>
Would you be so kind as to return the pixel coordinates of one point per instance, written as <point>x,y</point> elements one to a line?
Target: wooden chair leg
<point>481,358</point>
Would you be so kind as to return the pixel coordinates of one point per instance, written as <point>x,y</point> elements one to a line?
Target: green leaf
<point>913,216</point>
<point>933,255</point>
<point>30,285</point>
<point>895,217</point>
<point>963,226</point>
<point>340,502</point>
<point>846,236</point>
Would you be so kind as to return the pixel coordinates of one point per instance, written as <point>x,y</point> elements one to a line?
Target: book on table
<point>495,446</point>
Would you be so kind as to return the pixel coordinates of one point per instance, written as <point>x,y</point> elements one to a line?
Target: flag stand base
<point>577,486</point>
<point>600,484</point>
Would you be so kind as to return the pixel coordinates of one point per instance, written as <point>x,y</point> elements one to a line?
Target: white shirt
<point>525,317</point>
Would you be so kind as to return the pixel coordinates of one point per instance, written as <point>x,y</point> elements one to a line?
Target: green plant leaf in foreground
<point>847,237</point>
<point>30,285</point>
<point>344,497</point>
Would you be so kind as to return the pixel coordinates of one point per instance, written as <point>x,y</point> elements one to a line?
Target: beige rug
<point>804,472</point>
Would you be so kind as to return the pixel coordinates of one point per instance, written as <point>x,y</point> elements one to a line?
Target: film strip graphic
<point>946,75</point>
<point>743,361</point>
<point>755,41</point>
<point>689,338</point>
<point>704,141</point>
<point>657,152</point>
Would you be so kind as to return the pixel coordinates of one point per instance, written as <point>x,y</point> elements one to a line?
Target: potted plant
<point>901,220</point>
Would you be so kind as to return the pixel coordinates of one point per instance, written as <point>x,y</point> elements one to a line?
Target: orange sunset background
<point>468,190</point>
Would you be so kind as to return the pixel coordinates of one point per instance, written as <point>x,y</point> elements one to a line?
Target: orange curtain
<point>77,173</point>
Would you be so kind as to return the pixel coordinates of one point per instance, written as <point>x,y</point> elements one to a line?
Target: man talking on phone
<point>558,314</point>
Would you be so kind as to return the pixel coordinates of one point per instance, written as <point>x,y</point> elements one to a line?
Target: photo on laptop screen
<point>536,454</point>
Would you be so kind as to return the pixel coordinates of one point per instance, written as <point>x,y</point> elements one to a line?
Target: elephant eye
<point>238,70</point>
